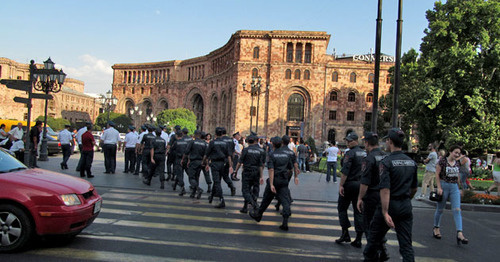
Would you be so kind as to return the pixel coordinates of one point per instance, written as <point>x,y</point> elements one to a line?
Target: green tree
<point>179,116</point>
<point>451,92</point>
<point>121,121</point>
<point>55,123</point>
<point>190,125</point>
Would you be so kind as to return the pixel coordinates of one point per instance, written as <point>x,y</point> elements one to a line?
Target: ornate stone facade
<point>70,103</point>
<point>304,91</point>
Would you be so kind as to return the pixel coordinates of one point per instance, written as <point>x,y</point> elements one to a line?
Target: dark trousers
<point>250,186</point>
<point>217,170</point>
<point>236,158</point>
<point>146,161</point>
<point>79,166</point>
<point>170,163</point>
<point>66,152</point>
<point>351,191</point>
<point>109,157</point>
<point>308,168</point>
<point>370,204</point>
<point>20,155</point>
<point>157,169</point>
<point>129,159</point>
<point>138,158</point>
<point>225,176</point>
<point>206,174</point>
<point>402,216</point>
<point>282,193</point>
<point>331,167</point>
<point>33,155</point>
<point>179,171</point>
<point>87,159</point>
<point>193,171</point>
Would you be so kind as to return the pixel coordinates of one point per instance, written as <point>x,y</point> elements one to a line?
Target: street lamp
<point>255,91</point>
<point>135,111</point>
<point>48,79</point>
<point>151,118</point>
<point>108,102</point>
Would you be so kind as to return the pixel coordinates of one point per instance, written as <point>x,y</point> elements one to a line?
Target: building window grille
<point>352,78</point>
<point>332,115</point>
<point>350,116</point>
<point>256,52</point>
<point>333,96</point>
<point>296,107</point>
<point>351,97</point>
<point>288,74</point>
<point>297,74</point>
<point>308,54</point>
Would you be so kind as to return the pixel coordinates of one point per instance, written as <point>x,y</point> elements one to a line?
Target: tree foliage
<point>55,123</point>
<point>122,121</point>
<point>451,92</point>
<point>179,116</point>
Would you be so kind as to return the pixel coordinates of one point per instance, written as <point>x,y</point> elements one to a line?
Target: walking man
<point>430,171</point>
<point>170,154</point>
<point>398,185</point>
<point>157,159</point>
<point>301,152</point>
<point>178,149</point>
<point>236,156</point>
<point>146,149</point>
<point>138,150</point>
<point>194,154</point>
<point>65,138</point>
<point>228,164</point>
<point>252,158</point>
<point>332,153</point>
<point>87,152</point>
<point>129,149</point>
<point>349,191</point>
<point>277,183</point>
<point>110,138</point>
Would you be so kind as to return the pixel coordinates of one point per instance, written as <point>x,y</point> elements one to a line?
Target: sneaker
<point>420,197</point>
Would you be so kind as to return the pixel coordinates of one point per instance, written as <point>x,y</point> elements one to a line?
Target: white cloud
<point>157,12</point>
<point>96,73</point>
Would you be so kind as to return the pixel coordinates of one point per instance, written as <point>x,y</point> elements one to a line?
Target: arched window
<point>256,52</point>
<point>335,76</point>
<point>353,77</point>
<point>371,78</point>
<point>298,53</point>
<point>351,97</point>
<point>133,90</point>
<point>307,75</point>
<point>308,53</point>
<point>123,90</point>
<point>333,96</point>
<point>288,74</point>
<point>331,136</point>
<point>289,53</point>
<point>124,75</point>
<point>296,107</point>
<point>297,74</point>
<point>255,73</point>
<point>369,98</point>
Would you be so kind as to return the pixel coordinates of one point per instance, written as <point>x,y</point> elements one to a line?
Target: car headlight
<point>71,199</point>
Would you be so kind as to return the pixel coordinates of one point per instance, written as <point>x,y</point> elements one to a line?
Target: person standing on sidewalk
<point>110,138</point>
<point>349,191</point>
<point>496,175</point>
<point>369,190</point>
<point>331,161</point>
<point>65,138</point>
<point>34,135</point>
<point>398,185</point>
<point>79,141</point>
<point>194,156</point>
<point>129,149</point>
<point>301,153</point>
<point>430,171</point>
<point>87,152</point>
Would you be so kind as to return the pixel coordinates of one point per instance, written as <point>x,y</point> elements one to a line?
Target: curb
<point>468,207</point>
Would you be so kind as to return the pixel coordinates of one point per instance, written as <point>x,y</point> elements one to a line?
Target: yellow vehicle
<point>10,124</point>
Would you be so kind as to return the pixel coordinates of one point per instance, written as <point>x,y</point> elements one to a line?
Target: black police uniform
<point>178,149</point>
<point>352,169</point>
<point>158,168</point>
<point>195,151</point>
<point>171,157</point>
<point>290,172</point>
<point>252,158</point>
<point>146,152</point>
<point>225,172</point>
<point>217,153</point>
<point>398,173</point>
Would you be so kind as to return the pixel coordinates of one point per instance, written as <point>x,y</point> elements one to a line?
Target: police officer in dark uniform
<point>369,193</point>
<point>195,152</point>
<point>226,172</point>
<point>218,155</point>
<point>157,158</point>
<point>349,190</point>
<point>146,149</point>
<point>138,150</point>
<point>285,140</point>
<point>398,185</point>
<point>277,184</point>
<point>170,154</point>
<point>252,158</point>
<point>178,149</point>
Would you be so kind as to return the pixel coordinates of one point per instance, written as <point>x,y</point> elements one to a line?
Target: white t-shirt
<point>110,136</point>
<point>431,165</point>
<point>17,132</point>
<point>332,151</point>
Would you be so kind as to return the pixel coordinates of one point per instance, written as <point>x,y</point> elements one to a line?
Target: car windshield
<point>8,163</point>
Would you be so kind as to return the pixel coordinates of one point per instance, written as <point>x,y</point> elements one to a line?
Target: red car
<point>41,202</point>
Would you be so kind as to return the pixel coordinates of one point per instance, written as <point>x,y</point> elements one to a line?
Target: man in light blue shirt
<point>110,138</point>
<point>331,162</point>
<point>65,138</point>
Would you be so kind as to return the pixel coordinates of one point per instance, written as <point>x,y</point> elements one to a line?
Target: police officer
<point>206,171</point>
<point>252,158</point>
<point>138,150</point>
<point>369,193</point>
<point>170,154</point>
<point>157,158</point>
<point>178,149</point>
<point>218,155</point>
<point>146,149</point>
<point>277,184</point>
<point>226,172</point>
<point>285,140</point>
<point>349,190</point>
<point>398,185</point>
<point>195,152</point>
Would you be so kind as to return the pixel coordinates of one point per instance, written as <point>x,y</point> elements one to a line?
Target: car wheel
<point>15,228</point>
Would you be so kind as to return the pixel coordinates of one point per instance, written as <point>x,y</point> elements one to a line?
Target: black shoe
<point>383,256</point>
<point>255,215</point>
<point>344,237</point>
<point>82,175</point>
<point>146,182</point>
<point>174,186</point>
<point>436,236</point>
<point>463,240</point>
<point>193,194</point>
<point>277,207</point>
<point>210,198</point>
<point>107,172</point>
<point>183,191</point>
<point>244,210</point>
<point>284,227</point>
<point>233,191</point>
<point>234,178</point>
<point>221,204</point>
<point>112,172</point>
<point>125,172</point>
<point>357,241</point>
<point>62,166</point>
<point>90,176</point>
<point>200,191</point>
<point>66,167</point>
<point>168,177</point>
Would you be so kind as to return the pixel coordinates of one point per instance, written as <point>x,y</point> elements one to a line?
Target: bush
<point>168,116</point>
<point>481,173</point>
<point>56,124</point>
<point>121,121</point>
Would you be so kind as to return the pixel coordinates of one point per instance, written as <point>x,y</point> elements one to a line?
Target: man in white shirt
<point>65,138</point>
<point>331,161</point>
<point>236,155</point>
<point>110,138</point>
<point>430,171</point>
<point>131,139</point>
<point>18,149</point>
<point>165,135</point>
<point>17,132</point>
<point>78,137</point>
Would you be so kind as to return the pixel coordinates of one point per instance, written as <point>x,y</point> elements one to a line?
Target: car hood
<point>48,181</point>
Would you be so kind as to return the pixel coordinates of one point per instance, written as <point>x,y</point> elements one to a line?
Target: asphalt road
<point>148,224</point>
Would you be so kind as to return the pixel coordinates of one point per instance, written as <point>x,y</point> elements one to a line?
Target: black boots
<point>183,191</point>
<point>199,192</point>
<point>344,237</point>
<point>357,241</point>
<point>193,193</point>
<point>169,176</point>
<point>146,182</point>
<point>244,210</point>
<point>174,186</point>
<point>233,191</point>
<point>221,204</point>
<point>255,214</point>
<point>284,225</point>
<point>210,198</point>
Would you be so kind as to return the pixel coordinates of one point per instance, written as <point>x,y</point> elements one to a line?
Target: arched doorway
<point>295,107</point>
<point>162,105</point>
<point>129,105</point>
<point>331,136</point>
<point>197,102</point>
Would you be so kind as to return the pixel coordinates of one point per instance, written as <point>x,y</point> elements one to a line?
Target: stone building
<point>303,90</point>
<point>70,103</point>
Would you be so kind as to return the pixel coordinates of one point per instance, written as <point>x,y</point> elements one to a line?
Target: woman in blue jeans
<point>448,182</point>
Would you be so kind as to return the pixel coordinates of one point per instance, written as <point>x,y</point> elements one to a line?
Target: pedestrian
<point>65,138</point>
<point>129,145</point>
<point>252,158</point>
<point>3,134</point>
<point>285,140</point>
<point>464,168</point>
<point>448,183</point>
<point>110,138</point>
<point>195,151</point>
<point>17,132</point>
<point>170,154</point>
<point>369,190</point>
<point>217,155</point>
<point>79,141</point>
<point>430,171</point>
<point>17,148</point>
<point>496,175</point>
<point>34,139</point>
<point>146,149</point>
<point>349,190</point>
<point>277,183</point>
<point>237,152</point>
<point>138,150</point>
<point>301,153</point>
<point>178,149</point>
<point>207,137</point>
<point>308,156</point>
<point>157,153</point>
<point>332,153</point>
<point>228,164</point>
<point>398,185</point>
<point>87,152</point>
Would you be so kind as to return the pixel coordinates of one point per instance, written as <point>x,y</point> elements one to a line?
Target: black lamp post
<point>255,91</point>
<point>108,102</point>
<point>47,80</point>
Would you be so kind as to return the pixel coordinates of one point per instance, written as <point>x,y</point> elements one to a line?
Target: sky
<point>86,38</point>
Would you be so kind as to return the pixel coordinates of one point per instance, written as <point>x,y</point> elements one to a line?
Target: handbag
<point>435,197</point>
